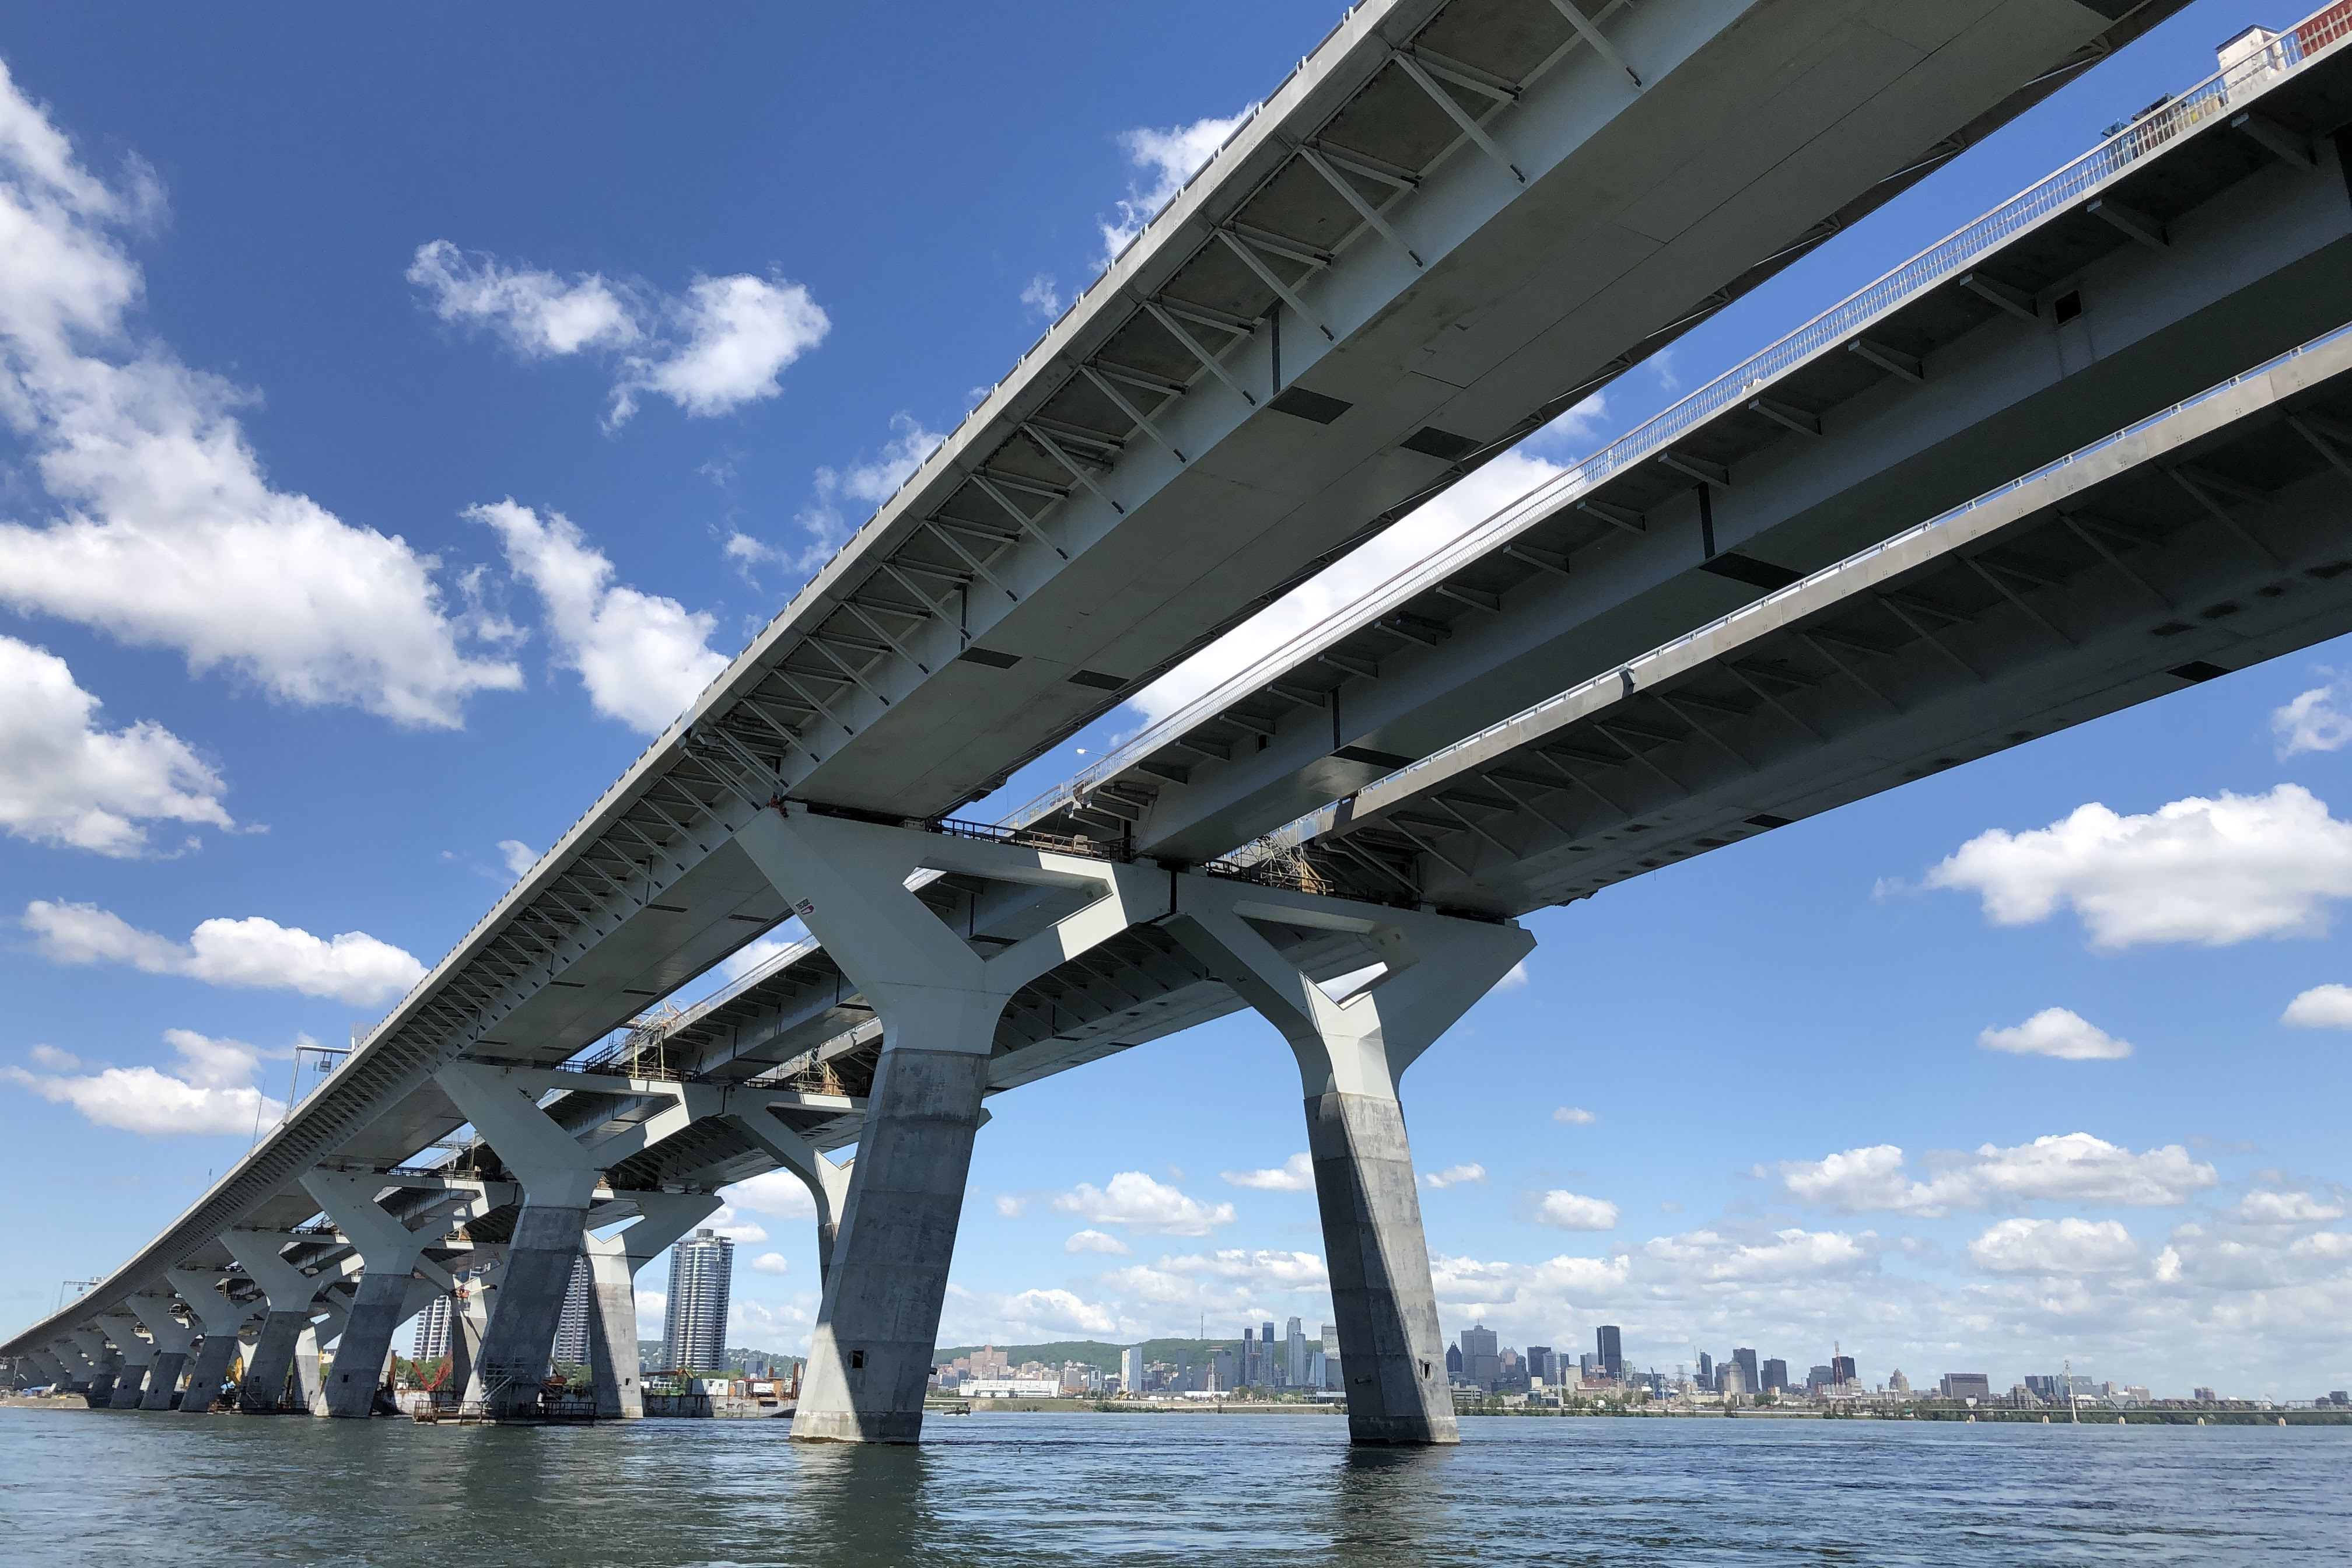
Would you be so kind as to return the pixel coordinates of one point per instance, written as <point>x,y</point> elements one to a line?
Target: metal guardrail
<point>2285,54</point>
<point>1283,839</point>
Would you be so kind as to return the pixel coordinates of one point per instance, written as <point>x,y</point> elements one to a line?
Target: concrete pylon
<point>219,1319</point>
<point>290,1293</point>
<point>172,1338</point>
<point>137,1357</point>
<point>73,1367</point>
<point>612,1263</point>
<point>938,1002</point>
<point>98,1389</point>
<point>826,1180</point>
<point>1352,1055</point>
<point>52,1365</point>
<point>389,1249</point>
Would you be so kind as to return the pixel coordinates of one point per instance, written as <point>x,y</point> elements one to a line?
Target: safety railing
<point>2149,132</point>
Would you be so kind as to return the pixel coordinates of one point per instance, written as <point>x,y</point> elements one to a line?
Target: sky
<point>393,437</point>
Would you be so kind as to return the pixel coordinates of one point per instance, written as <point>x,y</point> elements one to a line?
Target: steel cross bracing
<point>1361,199</point>
<point>2205,539</point>
<point>2236,159</point>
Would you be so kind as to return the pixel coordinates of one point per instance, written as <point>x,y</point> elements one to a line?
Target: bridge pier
<point>938,1002</point>
<point>219,1319</point>
<point>136,1356</point>
<point>102,1356</point>
<point>52,1366</point>
<point>826,1180</point>
<point>1351,1054</point>
<point>390,1250</point>
<point>290,1292</point>
<point>613,1264</point>
<point>172,1340</point>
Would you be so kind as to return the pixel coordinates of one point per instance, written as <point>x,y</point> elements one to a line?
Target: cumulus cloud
<point>168,533</point>
<point>1167,158</point>
<point>2055,1247</point>
<point>2057,1032</point>
<point>772,1263</point>
<point>351,966</point>
<point>1574,1116</point>
<point>2210,871</point>
<point>1257,1266</point>
<point>2264,1206</point>
<point>1456,1176</point>
<point>537,313</point>
<point>2319,720</point>
<point>2073,1167</point>
<point>1570,1211</point>
<point>1092,1240</point>
<point>2321,1008</point>
<point>1142,1204</point>
<point>1295,1174</point>
<point>641,657</point>
<point>779,1194</point>
<point>845,497</point>
<point>209,1091</point>
<point>1043,296</point>
<point>721,344</point>
<point>65,781</point>
<point>730,1224</point>
<point>1027,1317</point>
<point>519,856</point>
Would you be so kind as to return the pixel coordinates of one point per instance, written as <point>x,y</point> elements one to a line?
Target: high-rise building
<point>1746,1357</point>
<point>432,1329</point>
<point>1731,1377</point>
<point>1331,1377</point>
<point>1248,1372</point>
<point>1965,1385</point>
<point>1454,1373</point>
<point>571,1326</point>
<point>1842,1369</point>
<point>1610,1350</point>
<point>1131,1371</point>
<point>701,1273</point>
<point>1896,1382</point>
<point>1295,1355</point>
<point>1539,1363</point>
<point>1706,1379</point>
<point>1482,1361</point>
<point>1775,1376</point>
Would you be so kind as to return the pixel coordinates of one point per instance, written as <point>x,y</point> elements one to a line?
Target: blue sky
<point>394,433</point>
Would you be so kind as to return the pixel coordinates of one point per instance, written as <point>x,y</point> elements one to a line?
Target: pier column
<point>172,1340</point>
<point>137,1357</point>
<point>1351,1053</point>
<point>389,1249</point>
<point>219,1319</point>
<point>826,1180</point>
<point>52,1367</point>
<point>938,999</point>
<point>290,1293</point>
<point>613,1264</point>
<point>103,1361</point>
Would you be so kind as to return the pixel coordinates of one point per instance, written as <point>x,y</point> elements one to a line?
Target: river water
<point>125,1487</point>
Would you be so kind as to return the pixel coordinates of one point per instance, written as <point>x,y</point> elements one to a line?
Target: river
<point>80,1487</point>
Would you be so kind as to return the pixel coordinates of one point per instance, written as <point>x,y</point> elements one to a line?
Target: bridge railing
<point>2146,133</point>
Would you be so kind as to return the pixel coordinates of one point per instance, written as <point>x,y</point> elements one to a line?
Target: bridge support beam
<point>826,1180</point>
<point>220,1318</point>
<point>290,1292</point>
<point>137,1357</point>
<point>172,1342</point>
<point>1351,1054</point>
<point>53,1366</point>
<point>613,1264</point>
<point>104,1361</point>
<point>389,1249</point>
<point>938,1002</point>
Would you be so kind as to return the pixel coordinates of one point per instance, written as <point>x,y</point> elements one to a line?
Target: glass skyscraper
<point>701,1269</point>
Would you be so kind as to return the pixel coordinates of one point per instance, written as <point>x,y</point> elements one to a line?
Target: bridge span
<point>1024,579</point>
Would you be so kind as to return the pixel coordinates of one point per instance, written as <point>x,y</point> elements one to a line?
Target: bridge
<point>1453,221</point>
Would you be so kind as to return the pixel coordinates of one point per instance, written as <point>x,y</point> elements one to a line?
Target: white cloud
<point>1144,1205</point>
<point>1295,1174</point>
<point>779,1194</point>
<point>772,1263</point>
<point>1167,158</point>
<point>651,1306</point>
<point>1570,1211</point>
<point>731,1225</point>
<point>1028,1316</point>
<point>2320,720</point>
<point>168,534</point>
<point>1457,1176</point>
<point>536,313</point>
<point>641,657</point>
<point>1092,1240</point>
<point>845,497</point>
<point>1574,1116</point>
<point>210,1092</point>
<point>65,781</point>
<point>2262,1206</point>
<point>1011,1205</point>
<point>351,966</point>
<point>2073,1167</point>
<point>739,333</point>
<point>1043,296</point>
<point>2055,1246</point>
<point>1791,1254</point>
<point>1257,1268</point>
<point>519,856</point>
<point>2212,872</point>
<point>2057,1032</point>
<point>1513,977</point>
<point>2321,1008</point>
<point>718,346</point>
